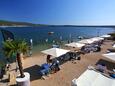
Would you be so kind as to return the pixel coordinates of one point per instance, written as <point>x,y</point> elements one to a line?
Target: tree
<point>11,47</point>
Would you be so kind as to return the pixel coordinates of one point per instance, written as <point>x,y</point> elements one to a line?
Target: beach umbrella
<point>105,36</point>
<point>55,52</point>
<point>75,44</point>
<point>110,56</point>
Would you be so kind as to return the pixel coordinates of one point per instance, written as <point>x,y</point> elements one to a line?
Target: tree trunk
<point>22,58</point>
<point>20,65</point>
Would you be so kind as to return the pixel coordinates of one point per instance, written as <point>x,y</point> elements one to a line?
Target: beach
<point>57,43</point>
<point>68,70</point>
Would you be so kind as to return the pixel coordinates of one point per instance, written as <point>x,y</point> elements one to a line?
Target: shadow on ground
<point>34,72</point>
<point>4,80</point>
<point>110,65</point>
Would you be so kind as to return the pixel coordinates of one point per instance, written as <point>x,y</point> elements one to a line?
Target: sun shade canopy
<point>93,78</point>
<point>86,41</point>
<point>110,56</point>
<point>97,39</point>
<point>56,52</point>
<point>105,36</point>
<point>75,44</point>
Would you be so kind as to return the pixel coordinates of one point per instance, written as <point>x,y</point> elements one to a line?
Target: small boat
<point>50,33</point>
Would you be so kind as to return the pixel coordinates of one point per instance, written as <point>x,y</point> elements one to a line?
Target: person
<point>78,55</point>
<point>98,48</point>
<point>48,59</point>
<point>55,66</point>
<point>68,41</point>
<point>30,51</point>
<point>71,55</point>
<point>83,49</point>
<point>101,67</point>
<point>30,47</point>
<point>44,70</point>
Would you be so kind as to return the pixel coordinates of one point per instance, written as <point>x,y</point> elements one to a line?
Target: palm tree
<point>11,47</point>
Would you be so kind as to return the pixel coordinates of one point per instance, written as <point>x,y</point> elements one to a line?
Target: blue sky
<point>59,12</point>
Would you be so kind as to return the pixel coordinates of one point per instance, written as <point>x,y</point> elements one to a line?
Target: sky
<point>59,12</point>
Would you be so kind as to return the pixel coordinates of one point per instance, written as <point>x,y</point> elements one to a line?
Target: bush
<point>112,36</point>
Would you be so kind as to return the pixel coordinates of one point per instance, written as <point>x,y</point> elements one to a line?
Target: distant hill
<point>111,26</point>
<point>12,23</point>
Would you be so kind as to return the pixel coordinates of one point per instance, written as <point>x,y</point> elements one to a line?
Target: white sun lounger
<point>93,78</point>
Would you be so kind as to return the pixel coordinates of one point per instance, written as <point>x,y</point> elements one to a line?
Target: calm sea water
<point>40,34</point>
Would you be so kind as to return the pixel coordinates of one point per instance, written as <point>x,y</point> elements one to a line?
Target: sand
<point>68,70</point>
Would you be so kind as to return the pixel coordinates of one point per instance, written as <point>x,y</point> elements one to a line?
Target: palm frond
<point>11,47</point>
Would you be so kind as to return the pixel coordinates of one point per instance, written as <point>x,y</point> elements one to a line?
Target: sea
<point>44,37</point>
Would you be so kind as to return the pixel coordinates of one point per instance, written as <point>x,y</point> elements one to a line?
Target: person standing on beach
<point>30,47</point>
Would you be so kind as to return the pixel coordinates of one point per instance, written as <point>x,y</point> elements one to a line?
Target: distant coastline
<point>14,26</point>
<point>4,23</point>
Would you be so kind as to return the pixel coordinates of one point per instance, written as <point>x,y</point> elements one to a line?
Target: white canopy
<point>97,39</point>
<point>110,56</point>
<point>93,78</point>
<point>86,41</point>
<point>114,46</point>
<point>56,52</point>
<point>75,44</point>
<point>105,36</point>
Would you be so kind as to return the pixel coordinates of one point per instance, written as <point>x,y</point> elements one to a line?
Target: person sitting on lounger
<point>101,67</point>
<point>55,66</point>
<point>48,59</point>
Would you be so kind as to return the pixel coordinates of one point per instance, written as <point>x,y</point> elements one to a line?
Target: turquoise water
<point>40,34</point>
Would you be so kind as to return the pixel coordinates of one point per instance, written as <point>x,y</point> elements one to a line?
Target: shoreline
<point>14,26</point>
